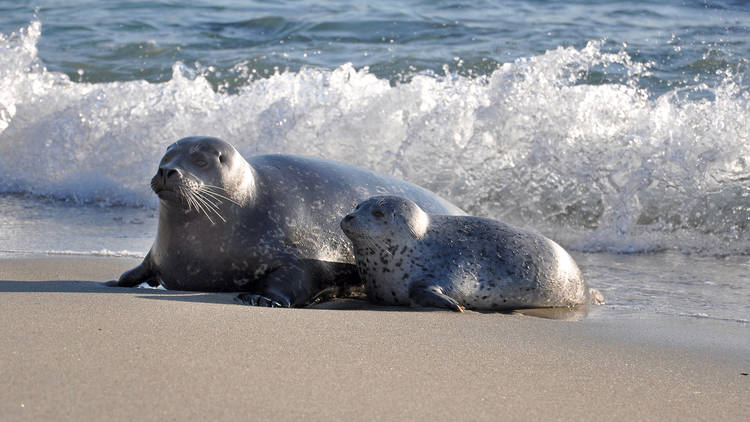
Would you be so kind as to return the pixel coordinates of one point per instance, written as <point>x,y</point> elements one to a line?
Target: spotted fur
<point>406,256</point>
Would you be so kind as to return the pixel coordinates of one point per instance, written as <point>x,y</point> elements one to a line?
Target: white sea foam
<point>100,252</point>
<point>703,315</point>
<point>599,167</point>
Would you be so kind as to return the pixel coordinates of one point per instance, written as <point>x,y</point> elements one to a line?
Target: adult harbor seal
<point>268,227</point>
<point>407,256</point>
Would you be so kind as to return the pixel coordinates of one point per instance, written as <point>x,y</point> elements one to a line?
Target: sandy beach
<point>620,130</point>
<point>72,349</point>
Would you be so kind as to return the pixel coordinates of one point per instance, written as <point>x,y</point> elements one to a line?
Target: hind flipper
<point>596,297</point>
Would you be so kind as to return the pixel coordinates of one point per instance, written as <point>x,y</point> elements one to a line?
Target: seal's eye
<point>222,160</point>
<point>378,214</point>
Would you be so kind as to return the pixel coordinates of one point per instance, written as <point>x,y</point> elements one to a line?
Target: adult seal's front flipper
<point>143,273</point>
<point>281,287</point>
<point>267,300</point>
<point>300,282</point>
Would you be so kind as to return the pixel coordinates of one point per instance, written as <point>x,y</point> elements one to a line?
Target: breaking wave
<point>538,142</point>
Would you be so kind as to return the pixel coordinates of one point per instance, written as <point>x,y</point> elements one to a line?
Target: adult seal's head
<point>407,256</point>
<point>201,175</point>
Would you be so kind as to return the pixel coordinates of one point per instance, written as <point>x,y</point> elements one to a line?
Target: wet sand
<point>73,349</point>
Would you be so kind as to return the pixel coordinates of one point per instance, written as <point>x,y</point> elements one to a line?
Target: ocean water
<point>619,129</point>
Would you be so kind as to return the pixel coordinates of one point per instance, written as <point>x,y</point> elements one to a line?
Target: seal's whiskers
<point>195,202</point>
<point>214,192</point>
<point>374,243</point>
<point>207,205</point>
<point>186,199</point>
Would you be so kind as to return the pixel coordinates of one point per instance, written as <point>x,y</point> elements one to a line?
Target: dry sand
<point>72,349</point>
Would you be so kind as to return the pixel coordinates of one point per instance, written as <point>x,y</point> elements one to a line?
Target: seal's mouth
<point>173,191</point>
<point>193,196</point>
<point>161,189</point>
<point>169,195</point>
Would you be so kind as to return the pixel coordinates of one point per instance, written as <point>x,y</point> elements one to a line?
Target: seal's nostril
<point>166,173</point>
<point>348,217</point>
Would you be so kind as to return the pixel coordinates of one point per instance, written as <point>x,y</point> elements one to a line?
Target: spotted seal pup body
<point>267,227</point>
<point>407,256</point>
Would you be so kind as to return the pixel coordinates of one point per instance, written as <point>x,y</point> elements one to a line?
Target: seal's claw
<point>257,300</point>
<point>247,299</point>
<point>264,301</point>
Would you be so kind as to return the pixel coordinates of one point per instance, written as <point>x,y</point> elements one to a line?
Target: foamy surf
<point>601,167</point>
<point>100,252</point>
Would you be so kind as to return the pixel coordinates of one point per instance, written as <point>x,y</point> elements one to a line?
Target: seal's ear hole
<point>378,214</point>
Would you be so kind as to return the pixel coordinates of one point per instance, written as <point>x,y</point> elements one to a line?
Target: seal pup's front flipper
<point>143,273</point>
<point>432,296</point>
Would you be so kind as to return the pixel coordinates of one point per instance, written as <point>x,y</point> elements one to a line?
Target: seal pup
<point>267,227</point>
<point>407,256</point>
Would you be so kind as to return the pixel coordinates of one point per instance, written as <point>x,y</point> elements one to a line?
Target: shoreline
<point>74,349</point>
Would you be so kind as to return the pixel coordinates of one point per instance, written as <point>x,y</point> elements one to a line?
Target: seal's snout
<point>166,179</point>
<point>166,174</point>
<point>349,217</point>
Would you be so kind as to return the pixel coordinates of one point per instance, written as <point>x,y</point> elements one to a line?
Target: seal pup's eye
<point>378,214</point>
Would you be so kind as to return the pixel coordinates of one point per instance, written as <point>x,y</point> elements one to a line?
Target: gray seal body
<point>407,256</point>
<point>268,227</point>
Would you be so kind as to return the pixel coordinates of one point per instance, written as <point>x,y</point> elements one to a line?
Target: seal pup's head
<point>385,219</point>
<point>203,175</point>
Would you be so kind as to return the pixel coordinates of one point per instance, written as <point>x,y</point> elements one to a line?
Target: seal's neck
<point>243,187</point>
<point>173,213</point>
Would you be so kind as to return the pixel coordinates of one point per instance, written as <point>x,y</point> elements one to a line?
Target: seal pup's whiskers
<point>374,244</point>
